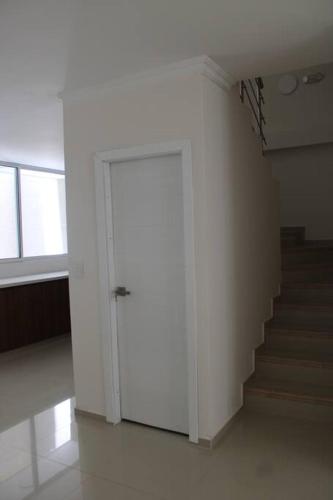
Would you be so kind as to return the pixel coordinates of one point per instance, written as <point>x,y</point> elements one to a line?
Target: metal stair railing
<point>252,90</point>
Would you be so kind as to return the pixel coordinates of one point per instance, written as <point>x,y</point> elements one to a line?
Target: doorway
<point>144,209</point>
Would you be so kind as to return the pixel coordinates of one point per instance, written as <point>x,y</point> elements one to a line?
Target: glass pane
<point>43,213</point>
<point>9,247</point>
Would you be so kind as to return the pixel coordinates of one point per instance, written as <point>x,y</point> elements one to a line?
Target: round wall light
<point>287,84</point>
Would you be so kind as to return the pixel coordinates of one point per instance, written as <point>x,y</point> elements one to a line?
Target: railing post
<point>241,90</point>
<point>255,106</point>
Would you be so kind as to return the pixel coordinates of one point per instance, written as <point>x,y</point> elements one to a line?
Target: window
<point>9,247</point>
<point>32,213</point>
<point>43,213</point>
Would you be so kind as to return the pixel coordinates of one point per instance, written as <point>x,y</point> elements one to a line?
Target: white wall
<point>302,118</point>
<point>235,227</point>
<point>306,186</point>
<point>243,261</point>
<point>33,265</point>
<point>151,112</point>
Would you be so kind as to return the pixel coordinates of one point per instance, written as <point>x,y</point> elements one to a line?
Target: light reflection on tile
<point>63,418</point>
<point>53,455</point>
<point>23,471</point>
<point>54,423</point>
<point>68,454</point>
<point>31,480</point>
<point>52,420</point>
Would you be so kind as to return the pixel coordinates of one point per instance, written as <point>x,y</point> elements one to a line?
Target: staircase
<point>294,367</point>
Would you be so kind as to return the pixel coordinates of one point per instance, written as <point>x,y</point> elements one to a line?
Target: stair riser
<point>299,344</point>
<point>304,317</point>
<point>293,232</point>
<point>296,373</point>
<point>307,276</point>
<point>286,408</point>
<point>310,257</point>
<point>290,241</point>
<point>308,295</point>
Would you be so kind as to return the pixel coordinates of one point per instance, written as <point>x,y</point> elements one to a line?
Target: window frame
<point>18,167</point>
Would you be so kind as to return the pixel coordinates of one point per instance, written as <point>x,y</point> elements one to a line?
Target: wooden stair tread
<point>311,266</point>
<point>308,246</point>
<point>299,331</point>
<point>307,285</point>
<point>315,360</point>
<point>292,230</point>
<point>294,391</point>
<point>280,304</point>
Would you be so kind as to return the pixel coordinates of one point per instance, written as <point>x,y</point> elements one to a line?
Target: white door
<point>148,225</point>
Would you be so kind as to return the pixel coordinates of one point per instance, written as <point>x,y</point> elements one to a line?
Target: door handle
<point>121,291</point>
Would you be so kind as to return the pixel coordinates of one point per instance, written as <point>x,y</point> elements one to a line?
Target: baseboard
<point>214,441</point>
<point>84,413</point>
<point>204,443</point>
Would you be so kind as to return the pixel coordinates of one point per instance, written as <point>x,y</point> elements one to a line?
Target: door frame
<point>105,247</point>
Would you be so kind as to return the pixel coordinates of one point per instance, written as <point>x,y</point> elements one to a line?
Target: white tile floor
<point>34,378</point>
<point>52,455</point>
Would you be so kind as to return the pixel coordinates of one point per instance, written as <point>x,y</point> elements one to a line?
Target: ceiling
<point>51,45</point>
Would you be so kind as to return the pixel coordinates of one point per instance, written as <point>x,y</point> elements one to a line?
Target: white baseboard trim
<point>215,440</point>
<point>88,414</point>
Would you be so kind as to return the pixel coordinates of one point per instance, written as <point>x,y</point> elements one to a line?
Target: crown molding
<point>216,74</point>
<point>203,65</point>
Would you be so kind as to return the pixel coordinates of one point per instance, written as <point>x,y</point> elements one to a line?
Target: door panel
<point>148,224</point>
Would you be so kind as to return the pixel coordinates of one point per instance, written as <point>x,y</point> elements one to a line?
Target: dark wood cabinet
<point>33,312</point>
